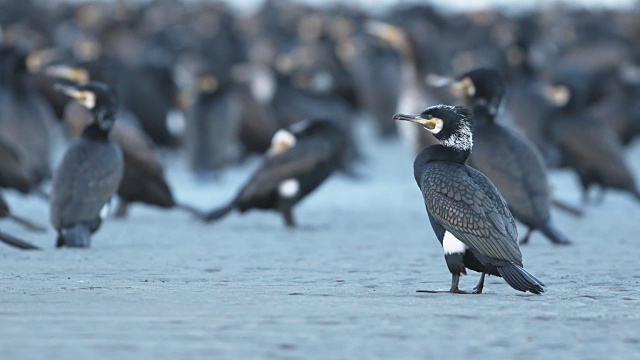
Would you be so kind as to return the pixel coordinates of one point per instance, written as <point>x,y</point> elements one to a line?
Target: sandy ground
<point>160,285</point>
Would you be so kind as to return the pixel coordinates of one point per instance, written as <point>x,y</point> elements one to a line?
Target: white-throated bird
<point>467,213</point>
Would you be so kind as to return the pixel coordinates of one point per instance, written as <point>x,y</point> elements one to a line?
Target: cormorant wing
<point>469,206</point>
<point>595,144</point>
<point>86,179</point>
<point>300,159</point>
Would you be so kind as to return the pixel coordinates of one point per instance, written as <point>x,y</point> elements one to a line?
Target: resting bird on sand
<point>90,172</point>
<point>297,163</point>
<point>469,216</point>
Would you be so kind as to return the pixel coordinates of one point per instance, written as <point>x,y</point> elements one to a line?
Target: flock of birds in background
<point>114,81</point>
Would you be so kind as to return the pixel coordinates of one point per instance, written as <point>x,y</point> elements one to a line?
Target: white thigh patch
<point>451,245</point>
<point>289,188</point>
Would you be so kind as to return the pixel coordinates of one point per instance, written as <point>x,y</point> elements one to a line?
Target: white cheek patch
<point>88,100</point>
<point>282,141</point>
<point>451,245</point>
<point>289,188</point>
<point>439,125</point>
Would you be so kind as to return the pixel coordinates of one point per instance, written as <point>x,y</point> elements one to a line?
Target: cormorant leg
<point>525,239</point>
<point>123,206</point>
<point>288,217</point>
<point>455,279</point>
<point>480,286</point>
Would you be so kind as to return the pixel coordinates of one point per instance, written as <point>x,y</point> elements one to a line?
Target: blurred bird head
<point>480,88</point>
<point>97,97</point>
<point>281,141</point>
<point>451,125</point>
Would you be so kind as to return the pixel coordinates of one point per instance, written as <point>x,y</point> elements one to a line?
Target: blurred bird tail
<point>519,279</point>
<point>567,208</point>
<point>15,242</point>
<point>553,234</point>
<point>27,223</point>
<point>75,236</point>
<point>218,213</point>
<point>190,209</point>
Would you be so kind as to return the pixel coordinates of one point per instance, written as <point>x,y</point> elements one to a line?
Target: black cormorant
<point>296,164</point>
<point>507,158</point>
<point>467,213</point>
<point>90,172</point>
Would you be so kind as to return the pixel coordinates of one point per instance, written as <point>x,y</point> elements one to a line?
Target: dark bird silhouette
<point>469,216</point>
<point>296,164</point>
<point>143,180</point>
<point>5,212</point>
<point>15,242</point>
<point>508,159</point>
<point>588,145</point>
<point>25,118</point>
<point>90,172</point>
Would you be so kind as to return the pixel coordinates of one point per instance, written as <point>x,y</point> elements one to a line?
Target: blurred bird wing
<point>293,163</point>
<point>594,144</point>
<point>80,187</point>
<point>469,206</point>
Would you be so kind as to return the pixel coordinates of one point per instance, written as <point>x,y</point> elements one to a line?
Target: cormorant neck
<point>483,114</point>
<point>439,152</point>
<point>94,132</point>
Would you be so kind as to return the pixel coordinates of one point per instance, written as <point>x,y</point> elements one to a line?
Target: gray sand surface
<point>160,285</point>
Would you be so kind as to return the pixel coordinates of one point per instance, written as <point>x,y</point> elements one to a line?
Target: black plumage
<point>90,172</point>
<point>588,145</point>
<point>508,159</point>
<point>298,162</point>
<point>467,213</point>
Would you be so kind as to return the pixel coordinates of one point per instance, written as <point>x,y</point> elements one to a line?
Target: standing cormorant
<point>90,172</point>
<point>508,159</point>
<point>296,164</point>
<point>469,216</point>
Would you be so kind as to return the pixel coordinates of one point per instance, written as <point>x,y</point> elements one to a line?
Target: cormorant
<point>588,145</point>
<point>469,216</point>
<point>296,164</point>
<point>90,172</point>
<point>508,159</point>
<point>143,180</point>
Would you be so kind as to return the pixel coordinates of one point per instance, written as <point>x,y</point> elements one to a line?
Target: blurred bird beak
<point>462,88</point>
<point>37,59</point>
<point>428,124</point>
<point>438,81</point>
<point>76,75</point>
<point>387,32</point>
<point>86,98</point>
<point>559,95</point>
<point>69,91</point>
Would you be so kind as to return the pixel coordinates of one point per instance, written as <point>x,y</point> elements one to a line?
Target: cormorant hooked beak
<point>429,124</point>
<point>73,74</point>
<point>86,98</point>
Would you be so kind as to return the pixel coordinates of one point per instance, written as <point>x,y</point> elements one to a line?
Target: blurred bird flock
<point>112,84</point>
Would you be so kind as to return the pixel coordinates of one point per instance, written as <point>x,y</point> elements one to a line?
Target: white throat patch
<point>451,245</point>
<point>462,139</point>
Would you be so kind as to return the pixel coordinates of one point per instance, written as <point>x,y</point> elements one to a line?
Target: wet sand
<point>160,285</point>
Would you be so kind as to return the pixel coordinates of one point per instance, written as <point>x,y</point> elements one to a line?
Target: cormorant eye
<point>429,117</point>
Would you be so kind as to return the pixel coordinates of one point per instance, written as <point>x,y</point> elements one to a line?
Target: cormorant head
<point>281,141</point>
<point>451,125</point>
<point>481,87</point>
<point>98,98</point>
